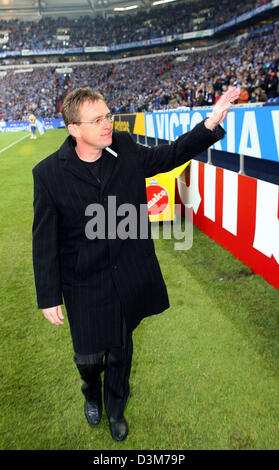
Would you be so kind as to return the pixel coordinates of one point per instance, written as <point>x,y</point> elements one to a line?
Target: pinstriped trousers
<point>116,365</point>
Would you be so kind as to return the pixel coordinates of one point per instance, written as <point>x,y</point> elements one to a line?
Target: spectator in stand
<point>271,83</point>
<point>244,95</point>
<point>217,96</point>
<point>200,100</point>
<point>209,95</point>
<point>261,95</point>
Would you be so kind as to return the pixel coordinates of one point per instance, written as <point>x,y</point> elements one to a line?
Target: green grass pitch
<point>205,374</point>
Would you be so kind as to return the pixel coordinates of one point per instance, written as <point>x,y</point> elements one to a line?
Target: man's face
<point>96,135</point>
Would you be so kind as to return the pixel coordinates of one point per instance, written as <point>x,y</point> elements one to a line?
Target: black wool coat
<point>102,277</point>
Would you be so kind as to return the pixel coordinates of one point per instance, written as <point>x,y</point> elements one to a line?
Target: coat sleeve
<point>165,158</point>
<point>45,247</point>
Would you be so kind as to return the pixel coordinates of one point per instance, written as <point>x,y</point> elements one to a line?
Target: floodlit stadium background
<point>212,383</point>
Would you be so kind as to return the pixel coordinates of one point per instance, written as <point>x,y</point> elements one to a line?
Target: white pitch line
<point>14,143</point>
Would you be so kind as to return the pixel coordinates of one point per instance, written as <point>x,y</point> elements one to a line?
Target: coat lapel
<point>69,161</point>
<point>109,162</point>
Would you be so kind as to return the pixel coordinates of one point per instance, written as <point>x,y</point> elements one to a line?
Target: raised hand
<point>221,108</point>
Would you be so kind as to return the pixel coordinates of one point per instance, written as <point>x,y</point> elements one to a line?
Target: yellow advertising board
<point>160,189</point>
<point>133,123</point>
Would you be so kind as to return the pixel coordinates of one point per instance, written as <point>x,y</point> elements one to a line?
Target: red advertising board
<point>238,212</point>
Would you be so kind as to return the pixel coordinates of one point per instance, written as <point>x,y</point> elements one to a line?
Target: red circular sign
<point>157,199</point>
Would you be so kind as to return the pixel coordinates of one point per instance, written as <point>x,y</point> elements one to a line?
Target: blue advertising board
<point>251,131</point>
<point>16,126</point>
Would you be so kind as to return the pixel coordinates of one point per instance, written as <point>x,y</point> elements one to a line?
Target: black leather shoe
<point>93,412</point>
<point>118,428</point>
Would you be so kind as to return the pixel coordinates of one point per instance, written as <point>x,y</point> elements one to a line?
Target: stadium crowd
<point>160,82</point>
<point>50,33</point>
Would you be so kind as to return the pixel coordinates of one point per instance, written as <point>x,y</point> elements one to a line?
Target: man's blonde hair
<point>73,101</point>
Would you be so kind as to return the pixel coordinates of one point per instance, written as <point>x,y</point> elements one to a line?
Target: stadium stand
<point>88,31</point>
<point>160,82</point>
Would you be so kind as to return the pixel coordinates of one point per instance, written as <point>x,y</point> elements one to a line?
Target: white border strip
<point>14,143</point>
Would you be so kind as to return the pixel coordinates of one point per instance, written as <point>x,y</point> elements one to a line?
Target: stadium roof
<point>31,9</point>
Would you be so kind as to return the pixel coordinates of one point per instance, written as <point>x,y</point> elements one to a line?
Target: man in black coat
<point>109,281</point>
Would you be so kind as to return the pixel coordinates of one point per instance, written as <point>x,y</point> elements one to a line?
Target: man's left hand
<point>221,108</point>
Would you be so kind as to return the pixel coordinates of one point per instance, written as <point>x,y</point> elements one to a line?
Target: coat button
<point>114,266</point>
